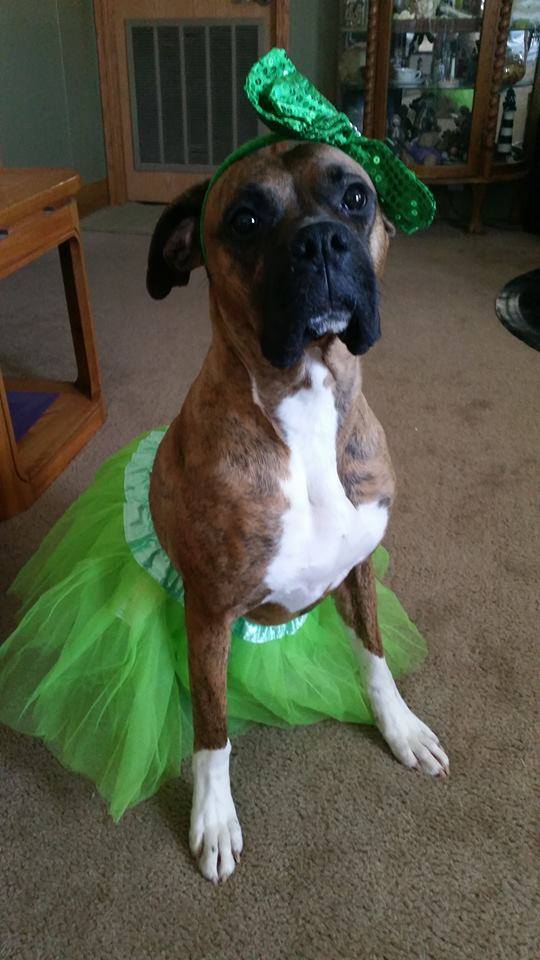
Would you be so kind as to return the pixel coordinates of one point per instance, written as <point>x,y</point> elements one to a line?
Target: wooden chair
<point>38,211</point>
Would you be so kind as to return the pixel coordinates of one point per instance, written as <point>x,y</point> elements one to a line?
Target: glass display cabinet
<point>451,85</point>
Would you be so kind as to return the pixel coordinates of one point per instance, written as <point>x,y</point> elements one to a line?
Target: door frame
<point>109,82</point>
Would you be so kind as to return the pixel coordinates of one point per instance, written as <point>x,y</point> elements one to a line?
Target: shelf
<point>521,26</point>
<point>515,170</point>
<point>430,86</point>
<point>62,429</point>
<point>438,25</point>
<point>414,86</point>
<point>393,85</point>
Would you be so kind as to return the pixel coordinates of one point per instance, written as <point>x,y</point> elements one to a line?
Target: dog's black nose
<point>323,240</point>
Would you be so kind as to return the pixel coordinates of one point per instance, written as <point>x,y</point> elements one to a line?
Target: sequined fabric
<point>293,109</point>
<point>290,105</point>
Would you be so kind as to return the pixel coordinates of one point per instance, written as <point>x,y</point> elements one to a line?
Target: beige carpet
<point>347,855</point>
<point>128,218</point>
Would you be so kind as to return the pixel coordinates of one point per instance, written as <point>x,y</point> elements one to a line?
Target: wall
<point>314,40</point>
<point>50,109</point>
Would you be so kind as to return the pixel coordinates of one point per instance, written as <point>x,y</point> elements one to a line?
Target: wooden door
<point>172,75</point>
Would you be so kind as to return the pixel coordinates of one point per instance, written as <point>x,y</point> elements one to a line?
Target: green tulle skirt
<point>97,667</point>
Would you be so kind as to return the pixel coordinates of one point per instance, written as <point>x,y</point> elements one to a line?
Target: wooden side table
<point>38,211</point>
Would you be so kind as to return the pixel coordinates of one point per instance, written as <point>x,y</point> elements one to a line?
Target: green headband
<point>295,110</point>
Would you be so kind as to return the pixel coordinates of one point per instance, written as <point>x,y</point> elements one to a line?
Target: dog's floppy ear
<point>175,248</point>
<point>388,226</point>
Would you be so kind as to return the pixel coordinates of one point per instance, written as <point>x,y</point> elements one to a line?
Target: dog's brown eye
<point>355,197</point>
<point>244,221</point>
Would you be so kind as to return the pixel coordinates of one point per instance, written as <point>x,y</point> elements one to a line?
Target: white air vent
<point>188,107</point>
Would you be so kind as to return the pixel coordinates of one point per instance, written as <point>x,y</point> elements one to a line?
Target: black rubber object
<point>518,307</point>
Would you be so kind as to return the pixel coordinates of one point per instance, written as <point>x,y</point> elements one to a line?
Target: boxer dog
<point>273,485</point>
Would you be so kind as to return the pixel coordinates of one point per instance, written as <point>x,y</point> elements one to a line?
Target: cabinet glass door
<point>434,50</point>
<point>513,137</point>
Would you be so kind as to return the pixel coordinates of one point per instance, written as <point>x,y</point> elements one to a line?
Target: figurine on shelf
<point>420,132</point>
<point>447,8</point>
<point>407,129</point>
<point>470,48</point>
<point>455,143</point>
<point>352,65</point>
<point>424,9</point>
<point>424,63</point>
<point>413,48</point>
<point>356,14</point>
<point>405,10</point>
<point>506,132</point>
<point>424,150</point>
<point>518,153</point>
<point>423,108</point>
<point>513,68</point>
<point>396,133</point>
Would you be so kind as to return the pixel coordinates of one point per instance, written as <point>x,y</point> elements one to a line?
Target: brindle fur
<point>215,496</point>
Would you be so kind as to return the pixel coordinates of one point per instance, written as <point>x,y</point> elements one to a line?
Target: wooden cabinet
<point>452,85</point>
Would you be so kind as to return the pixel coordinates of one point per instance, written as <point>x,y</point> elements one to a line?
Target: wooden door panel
<point>162,51</point>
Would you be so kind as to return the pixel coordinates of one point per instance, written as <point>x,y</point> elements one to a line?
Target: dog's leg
<point>215,836</point>
<point>410,740</point>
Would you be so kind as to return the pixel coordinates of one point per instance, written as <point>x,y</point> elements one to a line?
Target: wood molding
<point>370,69</point>
<point>281,23</point>
<point>93,196</point>
<point>162,190</point>
<point>496,66</point>
<point>110,99</point>
<point>385,9</point>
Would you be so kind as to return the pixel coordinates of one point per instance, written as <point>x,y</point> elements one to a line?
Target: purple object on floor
<point>26,408</point>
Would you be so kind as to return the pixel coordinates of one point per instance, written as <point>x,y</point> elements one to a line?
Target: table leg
<point>80,316</point>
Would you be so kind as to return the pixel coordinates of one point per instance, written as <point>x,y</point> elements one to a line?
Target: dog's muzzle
<point>321,281</point>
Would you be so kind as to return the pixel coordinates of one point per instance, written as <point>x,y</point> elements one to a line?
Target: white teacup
<point>408,75</point>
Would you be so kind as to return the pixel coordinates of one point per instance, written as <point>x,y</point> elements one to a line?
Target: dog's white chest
<point>323,535</point>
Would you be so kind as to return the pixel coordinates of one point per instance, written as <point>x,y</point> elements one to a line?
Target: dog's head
<point>295,243</point>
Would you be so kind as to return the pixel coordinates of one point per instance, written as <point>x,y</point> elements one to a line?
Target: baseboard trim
<point>92,197</point>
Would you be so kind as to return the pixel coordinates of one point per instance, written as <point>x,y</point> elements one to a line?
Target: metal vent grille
<point>188,107</point>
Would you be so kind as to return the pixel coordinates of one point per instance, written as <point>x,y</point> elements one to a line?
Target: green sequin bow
<point>295,110</point>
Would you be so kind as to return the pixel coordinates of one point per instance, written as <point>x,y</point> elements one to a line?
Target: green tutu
<point>97,667</point>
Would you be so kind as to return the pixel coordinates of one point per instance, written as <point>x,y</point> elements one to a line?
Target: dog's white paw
<point>409,739</point>
<point>215,837</point>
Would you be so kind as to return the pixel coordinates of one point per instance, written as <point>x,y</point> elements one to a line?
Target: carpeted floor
<point>347,855</point>
<point>128,218</point>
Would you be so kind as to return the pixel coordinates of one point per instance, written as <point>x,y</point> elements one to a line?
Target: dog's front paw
<point>412,742</point>
<point>215,836</point>
<point>215,840</point>
<point>409,739</point>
